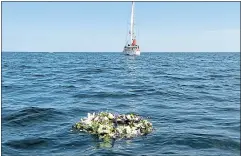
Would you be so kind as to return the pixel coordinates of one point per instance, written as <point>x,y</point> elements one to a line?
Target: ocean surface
<point>192,99</point>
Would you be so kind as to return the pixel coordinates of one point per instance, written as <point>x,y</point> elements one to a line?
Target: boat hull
<point>132,52</point>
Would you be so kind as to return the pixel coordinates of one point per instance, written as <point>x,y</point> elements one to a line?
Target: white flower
<point>128,117</point>
<point>110,116</point>
<point>96,118</point>
<point>100,129</point>
<point>91,116</point>
<point>105,118</point>
<point>111,134</point>
<point>128,129</point>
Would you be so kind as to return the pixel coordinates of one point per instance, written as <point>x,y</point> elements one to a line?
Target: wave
<point>105,94</point>
<point>29,143</point>
<point>201,141</point>
<point>30,115</point>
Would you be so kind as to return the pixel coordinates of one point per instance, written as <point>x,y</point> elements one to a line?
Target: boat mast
<point>132,20</point>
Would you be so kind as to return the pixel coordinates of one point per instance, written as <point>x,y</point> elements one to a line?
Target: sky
<point>102,26</point>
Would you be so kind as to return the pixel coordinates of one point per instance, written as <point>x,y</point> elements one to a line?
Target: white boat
<point>131,47</point>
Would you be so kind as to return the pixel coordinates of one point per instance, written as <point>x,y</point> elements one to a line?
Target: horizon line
<point>120,52</point>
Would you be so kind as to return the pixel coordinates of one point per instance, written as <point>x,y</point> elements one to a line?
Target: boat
<point>131,47</point>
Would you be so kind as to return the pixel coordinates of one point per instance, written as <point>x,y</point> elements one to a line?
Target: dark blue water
<point>192,99</point>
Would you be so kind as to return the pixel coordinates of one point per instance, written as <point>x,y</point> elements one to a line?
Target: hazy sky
<point>102,26</point>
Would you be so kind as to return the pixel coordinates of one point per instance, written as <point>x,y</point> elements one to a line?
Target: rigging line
<point>128,18</point>
<point>126,35</point>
